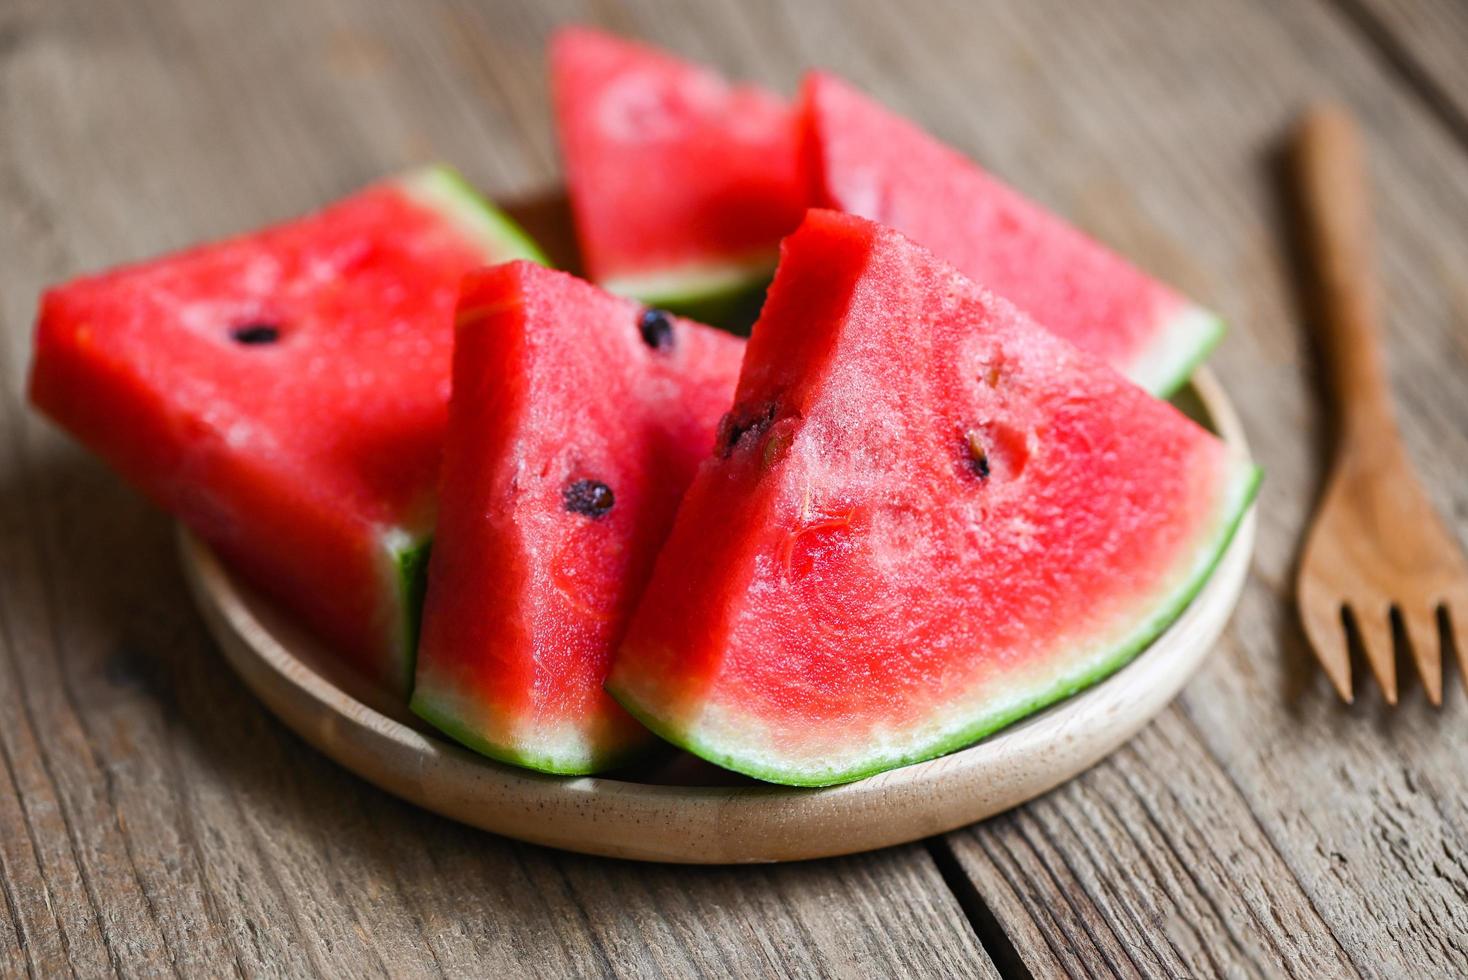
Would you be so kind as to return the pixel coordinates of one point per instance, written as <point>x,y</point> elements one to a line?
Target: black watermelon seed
<point>656,328</point>
<point>740,422</point>
<point>589,497</point>
<point>255,334</point>
<point>978,457</point>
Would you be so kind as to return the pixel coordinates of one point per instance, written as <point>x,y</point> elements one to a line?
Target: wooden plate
<point>686,810</point>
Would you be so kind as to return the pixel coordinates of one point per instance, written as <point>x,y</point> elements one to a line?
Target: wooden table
<point>154,819</point>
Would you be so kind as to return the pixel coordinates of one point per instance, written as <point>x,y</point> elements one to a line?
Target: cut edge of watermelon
<point>444,190</point>
<point>1184,342</point>
<point>693,288</point>
<point>564,755</point>
<point>1239,493</point>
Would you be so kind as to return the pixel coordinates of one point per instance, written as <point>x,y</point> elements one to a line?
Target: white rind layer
<point>694,283</point>
<point>1184,341</point>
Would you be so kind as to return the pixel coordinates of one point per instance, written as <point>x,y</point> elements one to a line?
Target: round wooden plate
<point>685,810</point>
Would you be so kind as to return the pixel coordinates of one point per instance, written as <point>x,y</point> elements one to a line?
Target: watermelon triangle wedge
<point>925,518</point>
<point>862,158</point>
<point>284,394</point>
<point>576,422</point>
<point>681,184</point>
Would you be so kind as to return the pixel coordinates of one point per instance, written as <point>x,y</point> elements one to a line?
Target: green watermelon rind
<point>443,189</point>
<point>441,715</point>
<point>403,567</point>
<point>1239,496</point>
<point>703,292</point>
<point>411,566</point>
<point>1184,342</point>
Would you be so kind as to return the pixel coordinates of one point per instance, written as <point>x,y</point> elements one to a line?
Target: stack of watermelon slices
<point>682,186</point>
<point>903,516</point>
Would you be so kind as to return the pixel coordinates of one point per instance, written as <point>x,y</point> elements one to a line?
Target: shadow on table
<point>96,567</point>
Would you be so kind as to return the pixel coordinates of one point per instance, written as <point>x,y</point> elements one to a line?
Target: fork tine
<point>1327,637</point>
<point>1376,636</point>
<point>1420,625</point>
<point>1455,627</point>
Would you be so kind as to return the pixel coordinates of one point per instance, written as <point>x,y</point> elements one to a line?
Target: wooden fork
<point>1378,551</point>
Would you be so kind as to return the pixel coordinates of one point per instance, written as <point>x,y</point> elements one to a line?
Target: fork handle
<point>1330,166</point>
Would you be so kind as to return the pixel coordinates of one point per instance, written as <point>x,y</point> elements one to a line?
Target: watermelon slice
<point>285,393</point>
<point>681,184</point>
<point>866,160</point>
<point>926,518</point>
<point>577,421</point>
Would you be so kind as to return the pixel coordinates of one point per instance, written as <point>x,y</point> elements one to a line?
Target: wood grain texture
<point>1423,42</point>
<point>1153,866</point>
<point>154,820</point>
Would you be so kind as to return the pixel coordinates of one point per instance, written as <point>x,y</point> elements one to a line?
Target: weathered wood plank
<point>1260,827</point>
<point>152,818</point>
<point>159,821</point>
<point>1151,865</point>
<point>1424,41</point>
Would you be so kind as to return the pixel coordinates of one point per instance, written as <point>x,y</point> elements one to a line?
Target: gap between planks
<point>981,918</point>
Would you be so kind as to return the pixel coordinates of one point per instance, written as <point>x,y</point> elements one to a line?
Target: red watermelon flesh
<point>926,517</point>
<point>577,421</point>
<point>681,184</point>
<point>864,159</point>
<point>285,393</point>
